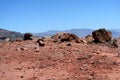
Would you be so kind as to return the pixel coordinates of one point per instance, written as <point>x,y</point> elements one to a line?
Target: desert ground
<point>26,60</point>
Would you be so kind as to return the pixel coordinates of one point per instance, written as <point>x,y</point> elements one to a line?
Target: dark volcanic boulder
<point>64,36</point>
<point>102,35</point>
<point>27,36</point>
<point>41,42</point>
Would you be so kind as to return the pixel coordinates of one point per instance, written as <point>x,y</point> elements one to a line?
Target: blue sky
<point>44,15</point>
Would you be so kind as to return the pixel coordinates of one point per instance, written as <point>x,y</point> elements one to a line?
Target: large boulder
<point>102,35</point>
<point>27,36</point>
<point>64,36</point>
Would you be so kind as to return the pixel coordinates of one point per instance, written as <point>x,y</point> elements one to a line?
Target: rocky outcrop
<point>104,36</point>
<point>64,36</point>
<point>27,36</point>
<point>101,36</point>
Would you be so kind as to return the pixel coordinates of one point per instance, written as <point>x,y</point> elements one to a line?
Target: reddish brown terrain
<point>26,60</point>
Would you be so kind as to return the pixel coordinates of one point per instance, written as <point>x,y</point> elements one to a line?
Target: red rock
<point>101,35</point>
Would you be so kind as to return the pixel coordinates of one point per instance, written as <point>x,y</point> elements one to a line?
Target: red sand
<point>56,61</point>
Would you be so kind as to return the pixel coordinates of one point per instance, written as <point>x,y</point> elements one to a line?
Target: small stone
<point>40,42</point>
<point>69,44</point>
<point>96,52</point>
<point>21,76</point>
<point>23,48</point>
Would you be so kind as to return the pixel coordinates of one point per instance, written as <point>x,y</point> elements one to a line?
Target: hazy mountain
<point>12,35</point>
<point>115,33</point>
<point>48,33</point>
<point>78,32</point>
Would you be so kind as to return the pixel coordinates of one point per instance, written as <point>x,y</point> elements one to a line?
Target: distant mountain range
<point>78,32</point>
<point>12,35</point>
